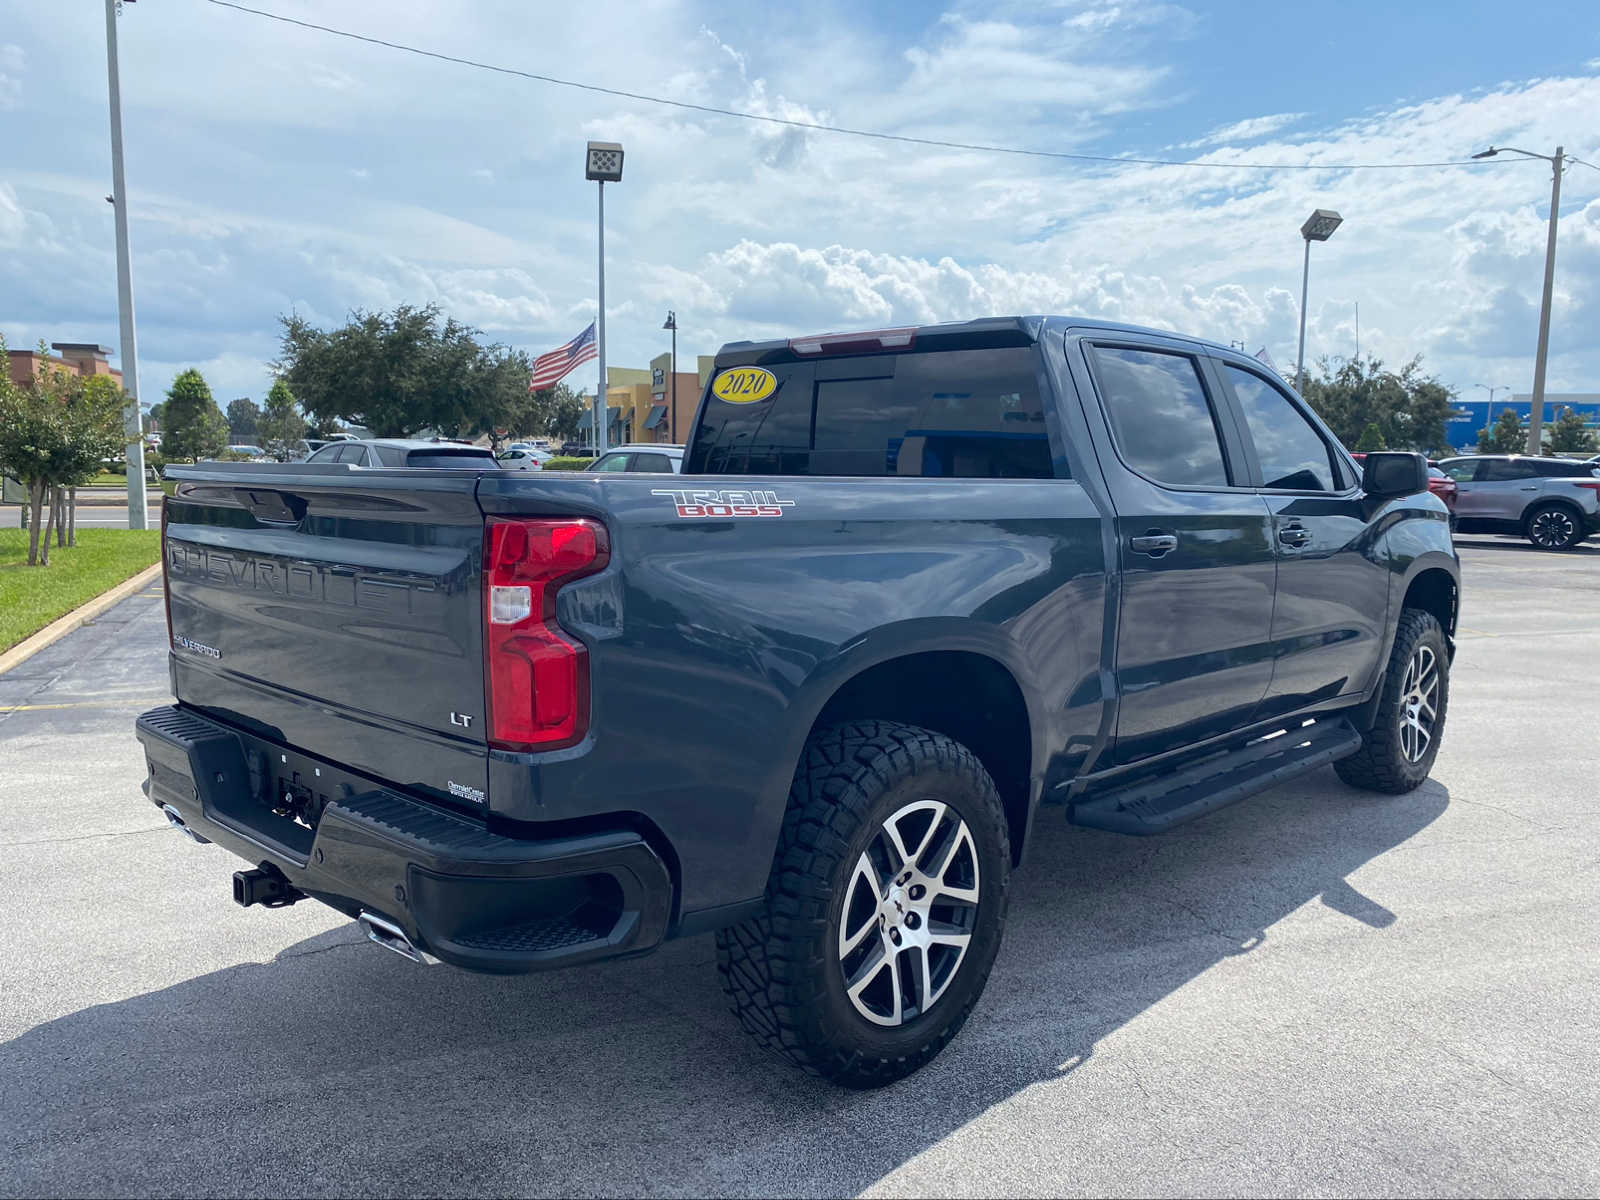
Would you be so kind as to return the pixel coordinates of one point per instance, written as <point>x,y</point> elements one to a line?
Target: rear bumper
<point>466,895</point>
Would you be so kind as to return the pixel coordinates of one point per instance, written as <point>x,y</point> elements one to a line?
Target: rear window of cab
<point>968,414</point>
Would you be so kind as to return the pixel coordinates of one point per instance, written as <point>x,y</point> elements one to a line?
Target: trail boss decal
<point>736,502</point>
<point>744,385</point>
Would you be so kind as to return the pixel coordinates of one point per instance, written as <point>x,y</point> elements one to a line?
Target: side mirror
<point>1389,474</point>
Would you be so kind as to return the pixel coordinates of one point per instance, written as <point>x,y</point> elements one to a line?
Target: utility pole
<point>132,423</point>
<point>1536,417</point>
<point>1557,163</point>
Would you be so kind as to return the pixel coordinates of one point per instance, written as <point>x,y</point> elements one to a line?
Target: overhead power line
<point>819,127</point>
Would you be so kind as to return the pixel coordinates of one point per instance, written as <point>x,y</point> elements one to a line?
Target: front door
<point>1193,641</point>
<point>1499,490</point>
<point>1329,621</point>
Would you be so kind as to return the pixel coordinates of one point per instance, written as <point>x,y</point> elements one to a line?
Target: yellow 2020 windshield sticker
<point>744,385</point>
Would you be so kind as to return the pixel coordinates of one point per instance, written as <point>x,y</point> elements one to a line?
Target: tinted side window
<point>1160,416</point>
<point>972,414</point>
<point>651,462</point>
<point>1461,470</point>
<point>349,453</point>
<point>325,455</point>
<point>611,462</point>
<point>461,459</point>
<point>1500,469</point>
<point>1565,470</point>
<point>1292,453</point>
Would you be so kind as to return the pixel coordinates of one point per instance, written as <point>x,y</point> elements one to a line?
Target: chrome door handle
<point>1294,535</point>
<point>1154,544</point>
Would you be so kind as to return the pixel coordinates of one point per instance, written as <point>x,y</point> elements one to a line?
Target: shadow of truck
<point>337,1068</point>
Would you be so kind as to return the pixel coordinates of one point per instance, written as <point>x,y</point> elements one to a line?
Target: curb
<point>61,626</point>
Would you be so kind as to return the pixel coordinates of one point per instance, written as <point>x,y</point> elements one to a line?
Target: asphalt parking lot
<point>1316,991</point>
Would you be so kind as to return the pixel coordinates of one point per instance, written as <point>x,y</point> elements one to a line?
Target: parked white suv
<point>1553,502</point>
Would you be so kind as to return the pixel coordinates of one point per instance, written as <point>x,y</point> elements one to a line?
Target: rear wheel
<point>884,910</point>
<point>1398,751</point>
<point>1554,527</point>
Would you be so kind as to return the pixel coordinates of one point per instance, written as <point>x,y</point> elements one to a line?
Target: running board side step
<point>1157,805</point>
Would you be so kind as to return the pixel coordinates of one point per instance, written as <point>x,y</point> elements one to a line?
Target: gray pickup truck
<point>911,586</point>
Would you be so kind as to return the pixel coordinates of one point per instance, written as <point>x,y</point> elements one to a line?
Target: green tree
<point>1409,408</point>
<point>196,427</point>
<point>1568,434</point>
<point>1508,435</point>
<point>281,424</point>
<point>55,431</point>
<point>244,419</point>
<point>1371,439</point>
<point>154,418</point>
<point>565,412</point>
<point>401,373</point>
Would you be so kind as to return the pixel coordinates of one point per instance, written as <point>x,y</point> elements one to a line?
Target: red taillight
<point>537,677</point>
<point>1593,487</point>
<point>166,580</point>
<point>855,343</point>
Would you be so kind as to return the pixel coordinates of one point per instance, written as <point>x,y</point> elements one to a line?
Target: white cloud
<point>1246,130</point>
<point>12,64</point>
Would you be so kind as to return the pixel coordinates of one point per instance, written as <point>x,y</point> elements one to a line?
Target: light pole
<point>132,423</point>
<point>672,387</point>
<point>603,164</point>
<point>1536,416</point>
<point>1492,390</point>
<point>1319,227</point>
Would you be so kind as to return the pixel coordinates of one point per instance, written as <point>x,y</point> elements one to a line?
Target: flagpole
<point>601,412</point>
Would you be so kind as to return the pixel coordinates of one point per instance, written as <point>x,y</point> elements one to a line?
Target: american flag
<point>549,368</point>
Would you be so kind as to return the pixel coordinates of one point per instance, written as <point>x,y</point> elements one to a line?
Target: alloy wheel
<point>910,910</point>
<point>1552,528</point>
<point>1419,703</point>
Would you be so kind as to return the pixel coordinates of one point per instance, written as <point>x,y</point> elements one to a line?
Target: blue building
<point>1474,415</point>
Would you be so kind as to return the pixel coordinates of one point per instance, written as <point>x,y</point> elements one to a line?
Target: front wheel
<point>1554,527</point>
<point>1398,751</point>
<point>884,910</point>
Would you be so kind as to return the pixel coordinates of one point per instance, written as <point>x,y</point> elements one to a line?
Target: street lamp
<point>1492,390</point>
<point>603,164</point>
<point>132,420</point>
<point>672,395</point>
<point>1536,416</point>
<point>1319,227</point>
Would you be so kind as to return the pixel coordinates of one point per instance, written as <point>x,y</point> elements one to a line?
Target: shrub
<point>563,463</point>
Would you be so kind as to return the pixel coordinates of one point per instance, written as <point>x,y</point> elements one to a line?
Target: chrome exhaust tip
<point>391,937</point>
<point>175,819</point>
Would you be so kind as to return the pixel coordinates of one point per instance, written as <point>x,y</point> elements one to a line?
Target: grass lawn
<point>106,479</point>
<point>32,597</point>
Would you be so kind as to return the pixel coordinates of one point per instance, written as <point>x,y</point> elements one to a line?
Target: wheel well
<point>1546,502</point>
<point>1434,591</point>
<point>965,696</point>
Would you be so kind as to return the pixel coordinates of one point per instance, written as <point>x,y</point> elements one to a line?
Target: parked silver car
<point>640,456</point>
<point>1553,502</point>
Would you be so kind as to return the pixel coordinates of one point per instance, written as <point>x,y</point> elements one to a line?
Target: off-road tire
<point>1381,765</point>
<point>782,971</point>
<point>1562,520</point>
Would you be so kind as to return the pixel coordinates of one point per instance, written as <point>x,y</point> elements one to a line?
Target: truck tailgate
<point>336,611</point>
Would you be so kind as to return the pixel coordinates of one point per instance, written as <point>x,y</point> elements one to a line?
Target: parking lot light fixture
<point>1318,227</point>
<point>1557,166</point>
<point>672,386</point>
<point>602,164</point>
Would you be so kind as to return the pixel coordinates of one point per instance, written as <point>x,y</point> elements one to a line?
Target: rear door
<point>1329,619</point>
<point>1499,491</point>
<point>338,612</point>
<point>1198,567</point>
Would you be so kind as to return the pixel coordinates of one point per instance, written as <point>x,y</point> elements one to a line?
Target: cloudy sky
<point>275,169</point>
